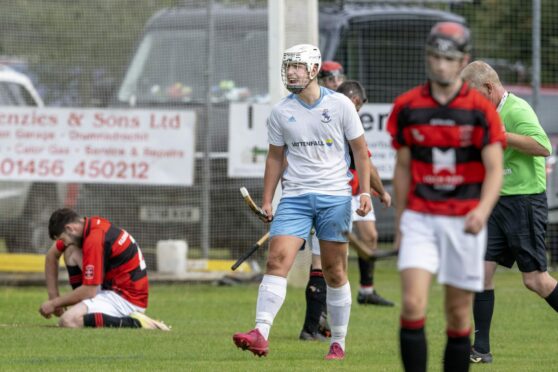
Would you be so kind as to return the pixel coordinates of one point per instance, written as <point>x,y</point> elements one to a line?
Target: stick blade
<point>366,252</point>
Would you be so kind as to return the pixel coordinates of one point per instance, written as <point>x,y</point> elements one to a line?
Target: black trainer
<point>307,336</point>
<point>476,357</point>
<point>373,299</point>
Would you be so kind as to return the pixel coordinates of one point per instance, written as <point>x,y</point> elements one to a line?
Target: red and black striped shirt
<point>446,142</point>
<point>113,259</point>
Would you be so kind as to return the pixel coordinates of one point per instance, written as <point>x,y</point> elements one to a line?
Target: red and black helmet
<point>330,68</point>
<point>450,39</point>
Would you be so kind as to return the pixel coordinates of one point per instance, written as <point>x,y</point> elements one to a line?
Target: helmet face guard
<point>449,39</point>
<point>304,54</point>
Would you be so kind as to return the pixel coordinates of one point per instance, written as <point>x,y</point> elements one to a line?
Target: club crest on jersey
<point>326,117</point>
<point>329,142</point>
<point>88,272</point>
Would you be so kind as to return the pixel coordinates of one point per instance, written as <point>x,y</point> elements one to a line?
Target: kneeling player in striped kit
<point>107,273</point>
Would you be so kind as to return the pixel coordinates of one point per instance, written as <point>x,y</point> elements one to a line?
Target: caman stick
<point>257,210</point>
<point>251,251</point>
<point>366,252</point>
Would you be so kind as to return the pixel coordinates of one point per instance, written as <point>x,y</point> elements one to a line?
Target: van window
<point>386,56</point>
<point>13,94</point>
<point>169,66</point>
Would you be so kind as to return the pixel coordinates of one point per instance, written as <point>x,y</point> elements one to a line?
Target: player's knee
<point>534,282</point>
<point>413,306</point>
<point>335,276</point>
<point>457,317</point>
<point>67,321</point>
<point>276,266</point>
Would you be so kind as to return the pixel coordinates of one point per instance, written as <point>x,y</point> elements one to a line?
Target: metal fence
<point>189,56</point>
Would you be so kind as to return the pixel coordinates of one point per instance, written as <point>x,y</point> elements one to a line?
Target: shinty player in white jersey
<point>309,126</point>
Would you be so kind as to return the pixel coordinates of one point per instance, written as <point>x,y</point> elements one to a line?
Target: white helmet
<point>302,53</point>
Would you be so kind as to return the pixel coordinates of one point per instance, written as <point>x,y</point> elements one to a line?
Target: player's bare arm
<point>377,185</point>
<point>492,158</point>
<point>52,262</point>
<point>274,165</point>
<point>360,153</point>
<point>71,298</point>
<point>526,145</point>
<point>401,183</point>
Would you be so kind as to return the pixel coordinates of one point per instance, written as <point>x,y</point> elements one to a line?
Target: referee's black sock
<point>366,268</point>
<point>100,320</point>
<point>315,301</point>
<point>483,308</point>
<point>552,298</point>
<point>412,340</point>
<point>458,348</point>
<point>75,276</point>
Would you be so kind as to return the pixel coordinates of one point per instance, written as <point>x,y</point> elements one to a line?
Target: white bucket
<point>171,256</point>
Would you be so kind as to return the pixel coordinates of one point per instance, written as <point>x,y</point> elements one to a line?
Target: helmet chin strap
<point>297,89</point>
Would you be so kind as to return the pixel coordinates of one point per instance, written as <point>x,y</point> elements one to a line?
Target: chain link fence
<point>177,56</point>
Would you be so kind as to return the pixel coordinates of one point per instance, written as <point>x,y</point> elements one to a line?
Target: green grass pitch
<point>204,317</point>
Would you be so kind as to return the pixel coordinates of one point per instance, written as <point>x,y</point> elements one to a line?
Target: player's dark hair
<point>59,219</point>
<point>352,88</point>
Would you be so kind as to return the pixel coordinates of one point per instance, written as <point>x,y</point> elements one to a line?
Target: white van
<point>25,207</point>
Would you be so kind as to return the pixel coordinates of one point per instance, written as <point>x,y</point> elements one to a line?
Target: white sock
<point>366,290</point>
<point>272,293</point>
<point>339,312</point>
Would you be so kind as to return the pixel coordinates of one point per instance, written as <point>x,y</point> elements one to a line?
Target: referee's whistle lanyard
<point>502,102</point>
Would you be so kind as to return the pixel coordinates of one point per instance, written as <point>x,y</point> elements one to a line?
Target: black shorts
<point>517,231</point>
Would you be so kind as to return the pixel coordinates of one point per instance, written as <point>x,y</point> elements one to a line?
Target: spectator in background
<point>446,181</point>
<point>517,225</point>
<point>331,75</point>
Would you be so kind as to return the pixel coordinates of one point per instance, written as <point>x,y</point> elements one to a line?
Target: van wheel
<point>31,232</point>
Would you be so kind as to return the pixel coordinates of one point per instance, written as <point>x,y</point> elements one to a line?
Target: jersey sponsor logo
<point>88,272</point>
<point>443,160</point>
<point>437,121</point>
<point>292,119</point>
<point>326,117</point>
<point>329,142</point>
<point>416,135</point>
<point>307,143</point>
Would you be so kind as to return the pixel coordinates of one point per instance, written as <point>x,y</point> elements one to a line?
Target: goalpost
<point>290,22</point>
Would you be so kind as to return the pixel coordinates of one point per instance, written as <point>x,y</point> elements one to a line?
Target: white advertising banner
<point>248,138</point>
<point>97,146</point>
<point>374,119</point>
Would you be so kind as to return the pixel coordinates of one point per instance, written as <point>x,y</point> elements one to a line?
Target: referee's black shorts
<point>516,232</point>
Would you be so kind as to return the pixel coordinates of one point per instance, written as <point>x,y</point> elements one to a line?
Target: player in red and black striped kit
<point>447,179</point>
<point>107,272</point>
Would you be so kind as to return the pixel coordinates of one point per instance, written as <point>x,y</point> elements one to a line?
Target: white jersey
<point>316,144</point>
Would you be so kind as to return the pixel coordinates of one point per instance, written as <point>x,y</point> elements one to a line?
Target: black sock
<point>412,340</point>
<point>100,320</point>
<point>458,348</point>
<point>483,308</point>
<point>315,301</point>
<point>365,267</point>
<point>74,276</point>
<point>552,298</point>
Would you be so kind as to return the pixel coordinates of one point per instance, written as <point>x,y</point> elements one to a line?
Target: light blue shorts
<point>330,215</point>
